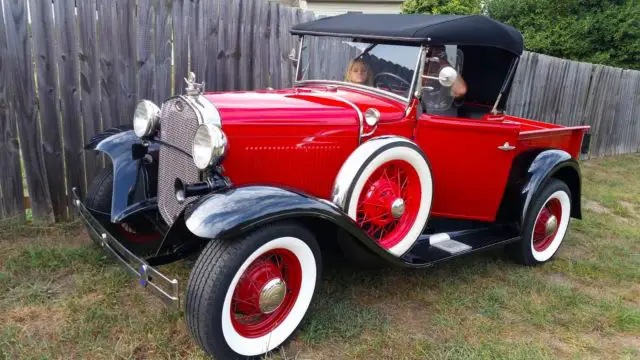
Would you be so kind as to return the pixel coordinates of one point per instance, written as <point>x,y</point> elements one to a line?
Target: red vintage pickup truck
<point>401,154</point>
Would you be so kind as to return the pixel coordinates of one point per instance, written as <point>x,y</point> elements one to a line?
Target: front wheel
<point>247,296</point>
<point>545,225</point>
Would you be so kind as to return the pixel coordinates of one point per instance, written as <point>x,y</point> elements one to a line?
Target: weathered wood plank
<point>285,45</point>
<point>68,68</point>
<point>232,49</point>
<point>274,45</point>
<point>221,55</point>
<point>24,100</point>
<point>211,12</point>
<point>145,51</point>
<point>623,131</point>
<point>46,59</point>
<point>163,33</point>
<point>89,83</point>
<point>125,24</point>
<point>180,43</point>
<point>11,191</point>
<point>635,143</point>
<point>198,39</point>
<point>245,56</point>
<point>261,37</point>
<point>601,108</point>
<point>108,81</point>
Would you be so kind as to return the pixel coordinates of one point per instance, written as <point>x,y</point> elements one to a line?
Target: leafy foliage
<point>596,31</point>
<point>461,7</point>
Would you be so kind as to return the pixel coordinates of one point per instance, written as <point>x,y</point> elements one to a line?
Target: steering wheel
<point>396,87</point>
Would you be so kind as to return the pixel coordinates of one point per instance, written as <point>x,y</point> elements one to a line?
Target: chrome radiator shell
<point>179,122</point>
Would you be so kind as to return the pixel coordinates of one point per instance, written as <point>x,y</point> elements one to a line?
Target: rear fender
<point>135,170</point>
<point>530,172</point>
<point>240,210</point>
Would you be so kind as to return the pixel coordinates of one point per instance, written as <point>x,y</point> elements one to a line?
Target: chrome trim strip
<point>357,109</point>
<point>353,164</point>
<point>156,282</point>
<point>354,86</point>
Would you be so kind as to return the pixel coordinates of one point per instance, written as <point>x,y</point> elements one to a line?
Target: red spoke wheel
<point>266,293</point>
<point>246,296</point>
<point>389,203</point>
<point>390,193</point>
<point>545,225</point>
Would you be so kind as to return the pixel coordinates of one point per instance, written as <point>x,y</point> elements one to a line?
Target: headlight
<point>145,118</point>
<point>209,146</point>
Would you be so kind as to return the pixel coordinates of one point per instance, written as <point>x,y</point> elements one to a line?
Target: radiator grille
<point>178,125</point>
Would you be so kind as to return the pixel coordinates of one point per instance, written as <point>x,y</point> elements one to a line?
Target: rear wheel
<point>138,235</point>
<point>247,296</point>
<point>545,225</point>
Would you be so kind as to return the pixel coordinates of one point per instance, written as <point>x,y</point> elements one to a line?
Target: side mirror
<point>446,77</point>
<point>293,57</point>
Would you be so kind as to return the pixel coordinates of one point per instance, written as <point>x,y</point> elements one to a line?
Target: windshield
<point>386,67</point>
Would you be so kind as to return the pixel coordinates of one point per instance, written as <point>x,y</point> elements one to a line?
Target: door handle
<point>506,147</point>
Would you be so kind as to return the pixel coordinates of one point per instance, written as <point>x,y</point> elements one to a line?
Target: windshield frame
<point>406,100</point>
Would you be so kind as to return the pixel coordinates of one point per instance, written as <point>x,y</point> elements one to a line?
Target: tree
<point>597,31</point>
<point>442,7</point>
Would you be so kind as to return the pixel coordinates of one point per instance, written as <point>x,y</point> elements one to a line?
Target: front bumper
<point>160,285</point>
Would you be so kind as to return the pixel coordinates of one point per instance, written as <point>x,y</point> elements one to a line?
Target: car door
<point>470,160</point>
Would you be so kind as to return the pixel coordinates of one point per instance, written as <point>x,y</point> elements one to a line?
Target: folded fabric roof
<point>418,29</point>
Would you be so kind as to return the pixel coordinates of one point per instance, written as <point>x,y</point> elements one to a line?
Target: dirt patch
<point>409,315</point>
<point>631,208</point>
<point>613,346</point>
<point>596,207</point>
<point>37,322</point>
<point>559,279</point>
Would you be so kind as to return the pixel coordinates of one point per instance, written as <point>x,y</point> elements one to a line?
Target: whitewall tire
<point>247,296</point>
<point>386,187</point>
<point>545,225</point>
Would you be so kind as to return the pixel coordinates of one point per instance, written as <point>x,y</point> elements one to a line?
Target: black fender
<point>530,172</point>
<point>135,170</point>
<point>236,211</point>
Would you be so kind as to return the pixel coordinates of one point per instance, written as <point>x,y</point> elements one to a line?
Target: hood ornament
<point>193,88</point>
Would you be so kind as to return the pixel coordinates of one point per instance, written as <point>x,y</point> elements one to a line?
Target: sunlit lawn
<point>61,298</point>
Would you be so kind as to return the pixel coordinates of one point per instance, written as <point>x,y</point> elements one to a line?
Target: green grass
<point>63,298</point>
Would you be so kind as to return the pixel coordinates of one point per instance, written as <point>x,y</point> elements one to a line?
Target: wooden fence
<point>76,69</point>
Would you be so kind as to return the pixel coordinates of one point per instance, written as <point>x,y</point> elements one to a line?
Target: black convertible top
<point>418,29</point>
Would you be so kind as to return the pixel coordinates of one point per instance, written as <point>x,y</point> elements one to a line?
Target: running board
<point>433,248</point>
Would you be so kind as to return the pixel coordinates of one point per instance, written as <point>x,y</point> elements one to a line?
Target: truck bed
<point>537,134</point>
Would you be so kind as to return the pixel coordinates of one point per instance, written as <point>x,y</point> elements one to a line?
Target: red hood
<point>301,105</point>
<point>297,137</point>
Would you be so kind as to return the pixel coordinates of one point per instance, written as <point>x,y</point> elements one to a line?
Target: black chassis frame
<point>230,212</point>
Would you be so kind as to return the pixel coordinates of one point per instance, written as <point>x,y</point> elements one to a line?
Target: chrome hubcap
<point>272,295</point>
<point>397,208</point>
<point>551,226</point>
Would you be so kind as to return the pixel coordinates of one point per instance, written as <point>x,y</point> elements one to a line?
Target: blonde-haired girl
<point>359,72</point>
